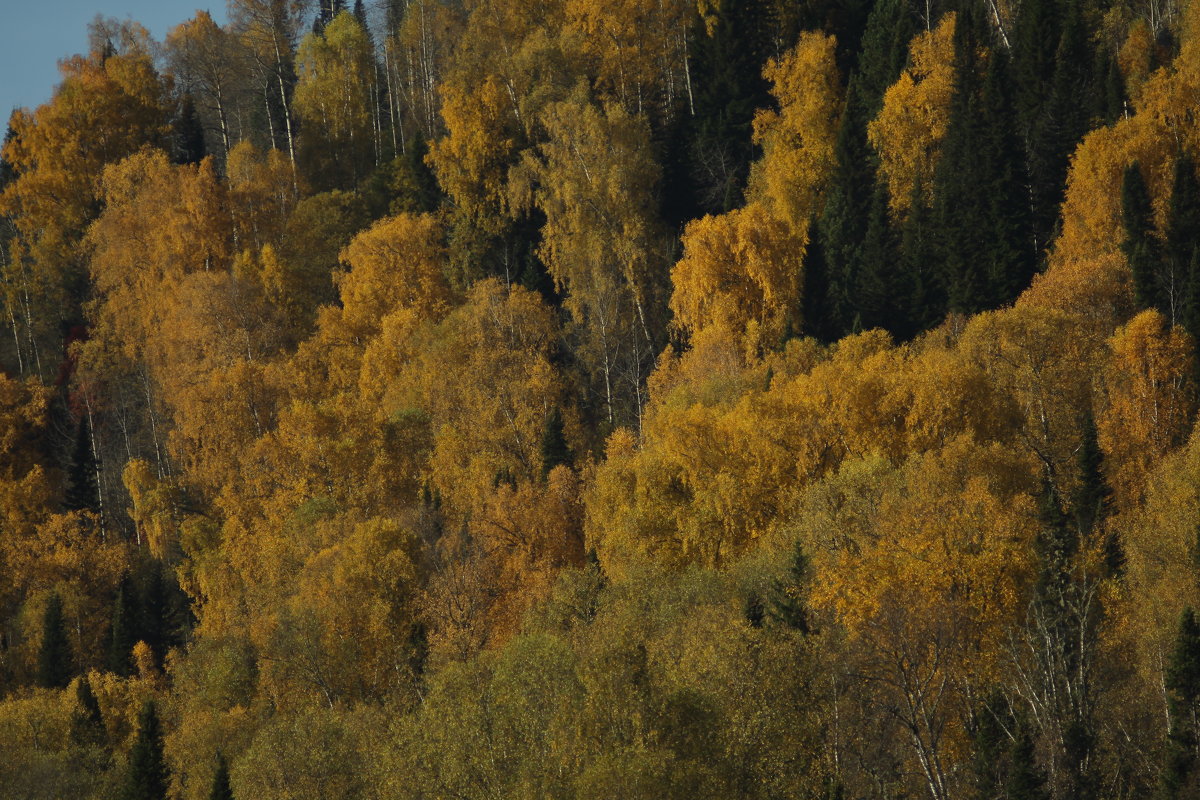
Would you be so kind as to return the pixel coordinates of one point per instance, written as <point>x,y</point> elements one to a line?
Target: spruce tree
<point>787,603</point>
<point>82,493</point>
<point>1182,235</point>
<point>87,723</point>
<point>188,133</point>
<point>882,295</point>
<point>124,630</point>
<point>1140,246</point>
<point>221,788</point>
<point>815,318</point>
<point>153,622</point>
<point>889,29</point>
<point>55,666</point>
<point>147,777</point>
<point>1034,42</point>
<point>555,450</point>
<point>1009,246</point>
<point>725,62</point>
<point>1183,703</point>
<point>1003,762</point>
<point>1062,122</point>
<point>1093,498</point>
<point>918,261</point>
<point>959,203</point>
<point>846,214</point>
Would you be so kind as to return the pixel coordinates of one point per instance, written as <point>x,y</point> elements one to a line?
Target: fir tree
<point>55,666</point>
<point>815,319</point>
<point>881,294</point>
<point>124,631</point>
<point>725,63</point>
<point>846,214</point>
<point>1093,497</point>
<point>1063,120</point>
<point>959,204</point>
<point>1182,235</point>
<point>188,133</point>
<point>1009,246</point>
<point>87,723</point>
<point>221,788</point>
<point>147,777</point>
<point>918,261</point>
<point>1183,698</point>
<point>1139,245</point>
<point>555,450</point>
<point>82,493</point>
<point>787,602</point>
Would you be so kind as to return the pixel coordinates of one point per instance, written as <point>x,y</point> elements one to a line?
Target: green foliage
<point>147,777</point>
<point>55,664</point>
<point>221,788</point>
<point>555,450</point>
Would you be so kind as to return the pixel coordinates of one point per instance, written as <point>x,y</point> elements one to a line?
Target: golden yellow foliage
<point>1150,401</point>
<point>740,271</point>
<point>915,116</point>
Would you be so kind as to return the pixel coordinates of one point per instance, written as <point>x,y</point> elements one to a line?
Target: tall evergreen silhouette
<point>55,665</point>
<point>147,777</point>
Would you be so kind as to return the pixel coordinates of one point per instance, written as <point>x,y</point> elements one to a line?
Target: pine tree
<point>1182,682</point>
<point>958,202</point>
<point>1063,120</point>
<point>155,624</point>
<point>1009,246</point>
<point>221,788</point>
<point>882,295</point>
<point>815,316</point>
<point>124,630</point>
<point>725,63</point>
<point>55,666</point>
<point>1093,498</point>
<point>1182,235</point>
<point>188,133</point>
<point>918,261</point>
<point>87,723</point>
<point>1035,40</point>
<point>1003,763</point>
<point>787,603</point>
<point>555,450</point>
<point>1139,245</point>
<point>147,777</point>
<point>847,210</point>
<point>82,493</point>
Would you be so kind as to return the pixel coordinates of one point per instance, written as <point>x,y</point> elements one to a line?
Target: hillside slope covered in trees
<point>629,399</point>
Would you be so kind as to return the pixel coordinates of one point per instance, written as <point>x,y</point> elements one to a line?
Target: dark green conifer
<point>788,600</point>
<point>815,317</point>
<point>1093,498</point>
<point>221,788</point>
<point>188,133</point>
<point>87,723</point>
<point>1139,244</point>
<point>55,664</point>
<point>1183,702</point>
<point>147,777</point>
<point>82,493</point>
<point>1182,236</point>
<point>124,630</point>
<point>555,450</point>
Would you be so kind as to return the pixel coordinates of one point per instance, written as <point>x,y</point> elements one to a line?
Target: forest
<point>593,399</point>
